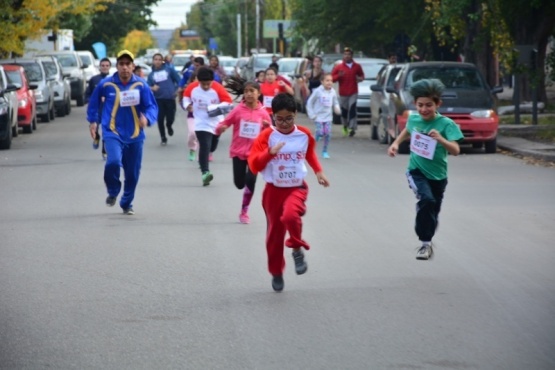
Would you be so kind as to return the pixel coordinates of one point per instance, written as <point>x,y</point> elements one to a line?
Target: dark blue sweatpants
<point>128,156</point>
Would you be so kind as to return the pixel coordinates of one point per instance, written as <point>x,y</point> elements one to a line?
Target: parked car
<point>8,111</point>
<point>467,100</point>
<point>288,66</point>
<point>371,67</point>
<point>179,61</point>
<point>382,110</point>
<point>43,93</point>
<point>329,60</point>
<point>89,60</point>
<point>74,69</point>
<point>228,64</point>
<point>256,63</point>
<point>27,103</point>
<point>59,84</point>
<point>300,85</point>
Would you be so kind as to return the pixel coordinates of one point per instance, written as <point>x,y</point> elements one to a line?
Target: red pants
<point>284,208</point>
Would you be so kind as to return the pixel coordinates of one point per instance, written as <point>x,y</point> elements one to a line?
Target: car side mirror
<point>33,87</point>
<point>51,78</point>
<point>376,88</point>
<point>12,87</point>
<point>497,90</point>
<point>391,90</point>
<point>67,75</point>
<point>84,66</point>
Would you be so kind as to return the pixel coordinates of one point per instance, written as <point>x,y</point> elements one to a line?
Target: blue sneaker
<point>325,155</point>
<point>96,143</point>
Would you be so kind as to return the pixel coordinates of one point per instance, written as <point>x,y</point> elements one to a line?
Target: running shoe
<point>104,156</point>
<point>278,283</point>
<point>191,155</point>
<point>325,155</point>
<point>164,141</point>
<point>300,264</point>
<point>170,131</point>
<point>206,178</point>
<point>110,201</point>
<point>345,131</point>
<point>425,252</point>
<point>128,211</point>
<point>210,157</point>
<point>352,133</point>
<point>96,143</point>
<point>244,217</point>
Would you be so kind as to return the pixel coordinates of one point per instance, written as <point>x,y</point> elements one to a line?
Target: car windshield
<point>50,69</point>
<point>14,77</point>
<point>34,73</point>
<point>180,60</point>
<point>371,70</point>
<point>452,77</point>
<point>86,59</point>
<point>228,62</point>
<point>287,66</point>
<point>262,62</point>
<point>67,60</point>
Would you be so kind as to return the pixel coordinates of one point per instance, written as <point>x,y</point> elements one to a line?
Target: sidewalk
<point>543,151</point>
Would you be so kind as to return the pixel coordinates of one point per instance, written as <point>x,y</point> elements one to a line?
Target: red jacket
<point>348,84</point>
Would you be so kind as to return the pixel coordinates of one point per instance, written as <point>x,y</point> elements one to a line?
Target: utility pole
<point>257,25</point>
<point>238,35</point>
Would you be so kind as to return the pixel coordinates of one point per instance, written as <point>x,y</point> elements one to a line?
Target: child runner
<point>271,87</point>
<point>432,136</point>
<point>247,119</point>
<point>279,153</point>
<point>319,109</point>
<point>197,97</point>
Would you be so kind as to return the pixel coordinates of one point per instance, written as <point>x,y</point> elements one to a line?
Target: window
<point>14,77</point>
<point>67,60</point>
<point>451,77</point>
<point>34,72</point>
<point>50,69</point>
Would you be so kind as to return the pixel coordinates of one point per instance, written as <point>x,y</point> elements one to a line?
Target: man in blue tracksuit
<point>126,106</point>
<point>163,81</point>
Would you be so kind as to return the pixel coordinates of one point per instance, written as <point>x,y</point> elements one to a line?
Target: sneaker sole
<point>206,181</point>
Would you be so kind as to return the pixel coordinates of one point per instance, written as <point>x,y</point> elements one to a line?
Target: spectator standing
<point>163,81</point>
<point>348,74</point>
<point>314,75</point>
<point>218,70</point>
<point>126,106</point>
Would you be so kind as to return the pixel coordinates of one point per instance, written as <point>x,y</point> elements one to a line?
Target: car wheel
<point>7,142</point>
<point>34,122</point>
<point>477,145</point>
<point>60,112</point>
<point>52,112</point>
<point>491,146</point>
<point>81,101</point>
<point>15,131</point>
<point>373,130</point>
<point>28,129</point>
<point>404,147</point>
<point>68,106</point>
<point>381,131</point>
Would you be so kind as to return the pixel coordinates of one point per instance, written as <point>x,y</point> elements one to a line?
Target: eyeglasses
<point>288,119</point>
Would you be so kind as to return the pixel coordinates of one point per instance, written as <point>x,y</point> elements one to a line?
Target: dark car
<point>8,111</point>
<point>467,100</point>
<point>27,103</point>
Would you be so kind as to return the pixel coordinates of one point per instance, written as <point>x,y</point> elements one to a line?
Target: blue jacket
<point>167,80</point>
<point>125,122</point>
<point>189,72</point>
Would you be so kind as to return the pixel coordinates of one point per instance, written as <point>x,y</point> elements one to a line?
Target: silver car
<point>8,111</point>
<point>59,84</point>
<point>381,106</point>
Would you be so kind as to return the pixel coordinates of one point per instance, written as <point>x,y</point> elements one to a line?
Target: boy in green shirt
<point>432,137</point>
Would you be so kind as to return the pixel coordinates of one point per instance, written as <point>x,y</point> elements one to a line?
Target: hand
<point>143,122</point>
<point>359,79</point>
<point>221,130</point>
<point>281,83</point>
<point>434,134</point>
<point>92,129</point>
<point>265,123</point>
<point>155,87</point>
<point>276,148</point>
<point>189,108</point>
<point>322,179</point>
<point>392,150</point>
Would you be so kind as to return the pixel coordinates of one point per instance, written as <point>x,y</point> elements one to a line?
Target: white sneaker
<point>425,252</point>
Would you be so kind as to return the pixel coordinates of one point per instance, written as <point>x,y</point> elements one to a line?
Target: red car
<point>27,111</point>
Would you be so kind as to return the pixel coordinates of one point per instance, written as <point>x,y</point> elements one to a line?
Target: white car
<point>288,66</point>
<point>228,64</point>
<point>88,59</point>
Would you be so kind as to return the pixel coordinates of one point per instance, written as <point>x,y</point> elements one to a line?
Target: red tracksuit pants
<point>284,208</point>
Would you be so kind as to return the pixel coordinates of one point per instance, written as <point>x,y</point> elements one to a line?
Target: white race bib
<point>268,101</point>
<point>249,130</point>
<point>422,145</point>
<point>289,175</point>
<point>325,101</point>
<point>129,98</point>
<point>160,76</point>
<point>202,105</point>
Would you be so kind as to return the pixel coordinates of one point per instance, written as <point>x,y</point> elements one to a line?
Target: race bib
<point>422,145</point>
<point>129,98</point>
<point>160,76</point>
<point>268,101</point>
<point>203,105</point>
<point>288,175</point>
<point>249,130</point>
<point>325,101</point>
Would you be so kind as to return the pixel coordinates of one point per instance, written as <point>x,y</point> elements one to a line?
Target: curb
<point>525,147</point>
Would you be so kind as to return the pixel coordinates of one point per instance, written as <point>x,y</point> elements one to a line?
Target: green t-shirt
<point>436,168</point>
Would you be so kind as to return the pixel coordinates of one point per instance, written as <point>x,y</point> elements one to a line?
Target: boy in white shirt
<point>319,108</point>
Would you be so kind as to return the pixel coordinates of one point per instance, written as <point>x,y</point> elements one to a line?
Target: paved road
<point>183,285</point>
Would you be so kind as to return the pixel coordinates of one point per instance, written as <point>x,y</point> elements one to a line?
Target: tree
<point>112,25</point>
<point>138,41</point>
<point>27,19</point>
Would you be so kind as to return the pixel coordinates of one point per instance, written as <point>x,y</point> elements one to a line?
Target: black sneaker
<point>164,141</point>
<point>110,201</point>
<point>278,283</point>
<point>300,264</point>
<point>352,133</point>
<point>128,211</point>
<point>425,252</point>
<point>170,131</point>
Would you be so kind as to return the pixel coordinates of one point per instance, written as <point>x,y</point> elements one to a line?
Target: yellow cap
<point>125,53</point>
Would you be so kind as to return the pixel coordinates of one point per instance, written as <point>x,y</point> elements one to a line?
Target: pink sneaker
<point>244,218</point>
<point>210,157</point>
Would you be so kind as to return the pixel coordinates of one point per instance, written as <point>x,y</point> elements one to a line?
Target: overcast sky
<point>169,14</point>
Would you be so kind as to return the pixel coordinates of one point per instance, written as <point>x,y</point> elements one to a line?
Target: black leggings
<point>242,174</point>
<point>208,142</point>
<point>166,112</point>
